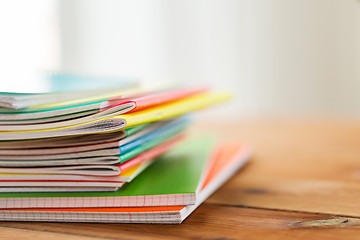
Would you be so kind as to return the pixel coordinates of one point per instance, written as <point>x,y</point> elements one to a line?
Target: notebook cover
<point>177,172</point>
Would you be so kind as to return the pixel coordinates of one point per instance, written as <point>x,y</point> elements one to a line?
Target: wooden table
<point>303,182</point>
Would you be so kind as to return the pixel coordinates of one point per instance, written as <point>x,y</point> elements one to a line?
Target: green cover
<point>179,171</point>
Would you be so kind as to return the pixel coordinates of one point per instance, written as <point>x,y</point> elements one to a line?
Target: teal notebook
<point>56,87</point>
<point>173,179</point>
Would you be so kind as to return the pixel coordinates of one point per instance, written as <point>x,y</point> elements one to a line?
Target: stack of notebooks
<point>101,150</point>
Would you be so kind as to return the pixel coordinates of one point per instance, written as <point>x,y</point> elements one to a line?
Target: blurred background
<point>279,57</point>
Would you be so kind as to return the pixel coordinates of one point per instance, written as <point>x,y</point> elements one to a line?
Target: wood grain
<point>211,221</point>
<point>303,182</point>
<point>308,166</point>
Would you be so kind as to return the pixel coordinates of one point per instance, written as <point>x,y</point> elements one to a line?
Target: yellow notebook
<point>174,109</point>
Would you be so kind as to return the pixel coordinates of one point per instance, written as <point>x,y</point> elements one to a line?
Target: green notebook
<point>173,179</point>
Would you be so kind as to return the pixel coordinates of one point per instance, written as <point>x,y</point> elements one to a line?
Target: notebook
<point>173,179</point>
<point>56,87</point>
<point>81,141</point>
<point>227,161</point>
<point>101,126</point>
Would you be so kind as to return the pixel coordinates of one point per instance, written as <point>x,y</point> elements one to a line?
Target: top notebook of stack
<point>64,137</point>
<point>45,88</point>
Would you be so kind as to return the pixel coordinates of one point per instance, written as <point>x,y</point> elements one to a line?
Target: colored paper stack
<point>70,148</point>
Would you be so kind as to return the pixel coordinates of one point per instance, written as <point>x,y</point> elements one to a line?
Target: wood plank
<point>308,165</point>
<point>20,233</point>
<point>208,222</point>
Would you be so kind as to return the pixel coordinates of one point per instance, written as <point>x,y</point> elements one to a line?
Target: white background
<point>279,57</point>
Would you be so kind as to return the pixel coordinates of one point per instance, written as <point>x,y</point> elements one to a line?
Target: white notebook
<point>101,126</point>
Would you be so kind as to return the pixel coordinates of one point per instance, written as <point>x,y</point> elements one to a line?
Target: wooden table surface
<point>303,182</point>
